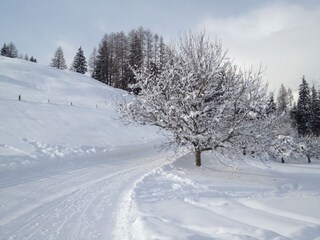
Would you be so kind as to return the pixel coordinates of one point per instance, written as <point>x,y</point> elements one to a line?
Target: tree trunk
<point>198,157</point>
<point>309,160</point>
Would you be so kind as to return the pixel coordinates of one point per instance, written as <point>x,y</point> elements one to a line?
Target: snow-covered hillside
<point>63,168</point>
<point>89,121</point>
<point>74,172</point>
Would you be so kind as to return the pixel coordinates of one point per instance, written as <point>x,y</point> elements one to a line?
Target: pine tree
<point>315,112</point>
<point>303,115</point>
<point>32,59</point>
<point>9,50</point>
<point>4,50</point>
<point>79,62</point>
<point>293,115</point>
<point>58,60</point>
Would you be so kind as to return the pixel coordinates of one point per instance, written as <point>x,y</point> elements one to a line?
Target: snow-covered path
<point>65,168</point>
<point>79,202</point>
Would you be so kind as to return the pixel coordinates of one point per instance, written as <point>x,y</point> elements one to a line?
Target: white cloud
<point>285,38</point>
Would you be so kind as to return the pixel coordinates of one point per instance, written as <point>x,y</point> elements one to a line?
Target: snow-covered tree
<point>9,50</point>
<point>282,99</point>
<point>135,55</point>
<point>303,112</point>
<point>12,50</point>
<point>315,112</point>
<point>79,62</point>
<point>4,50</point>
<point>58,60</point>
<point>280,139</point>
<point>200,97</point>
<point>93,62</point>
<point>290,98</point>
<point>32,59</point>
<point>271,106</point>
<point>309,146</point>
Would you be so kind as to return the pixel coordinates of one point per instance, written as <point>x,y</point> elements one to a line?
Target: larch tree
<point>135,55</point>
<point>119,54</point>
<point>290,98</point>
<point>79,62</point>
<point>93,62</point>
<point>282,99</point>
<point>101,71</point>
<point>12,50</point>
<point>200,97</point>
<point>58,60</point>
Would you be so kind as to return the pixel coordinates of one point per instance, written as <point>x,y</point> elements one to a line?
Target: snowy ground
<point>246,199</point>
<point>64,168</point>
<point>74,172</point>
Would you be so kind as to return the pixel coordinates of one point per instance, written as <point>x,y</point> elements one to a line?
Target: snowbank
<point>246,199</point>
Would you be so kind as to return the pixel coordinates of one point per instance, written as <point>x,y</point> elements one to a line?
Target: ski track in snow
<point>76,204</point>
<point>174,202</point>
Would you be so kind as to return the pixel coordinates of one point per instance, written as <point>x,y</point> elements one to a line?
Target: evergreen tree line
<point>118,56</point>
<point>116,59</point>
<point>10,50</point>
<point>79,63</point>
<point>305,114</point>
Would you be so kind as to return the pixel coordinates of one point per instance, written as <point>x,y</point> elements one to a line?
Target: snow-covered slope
<point>63,167</point>
<point>89,121</point>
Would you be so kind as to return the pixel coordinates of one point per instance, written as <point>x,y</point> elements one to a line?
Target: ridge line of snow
<point>124,222</point>
<point>61,194</point>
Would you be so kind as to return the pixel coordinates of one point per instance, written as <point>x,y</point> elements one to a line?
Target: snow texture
<point>74,172</point>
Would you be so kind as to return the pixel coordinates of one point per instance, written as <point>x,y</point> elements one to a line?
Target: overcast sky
<point>284,36</point>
